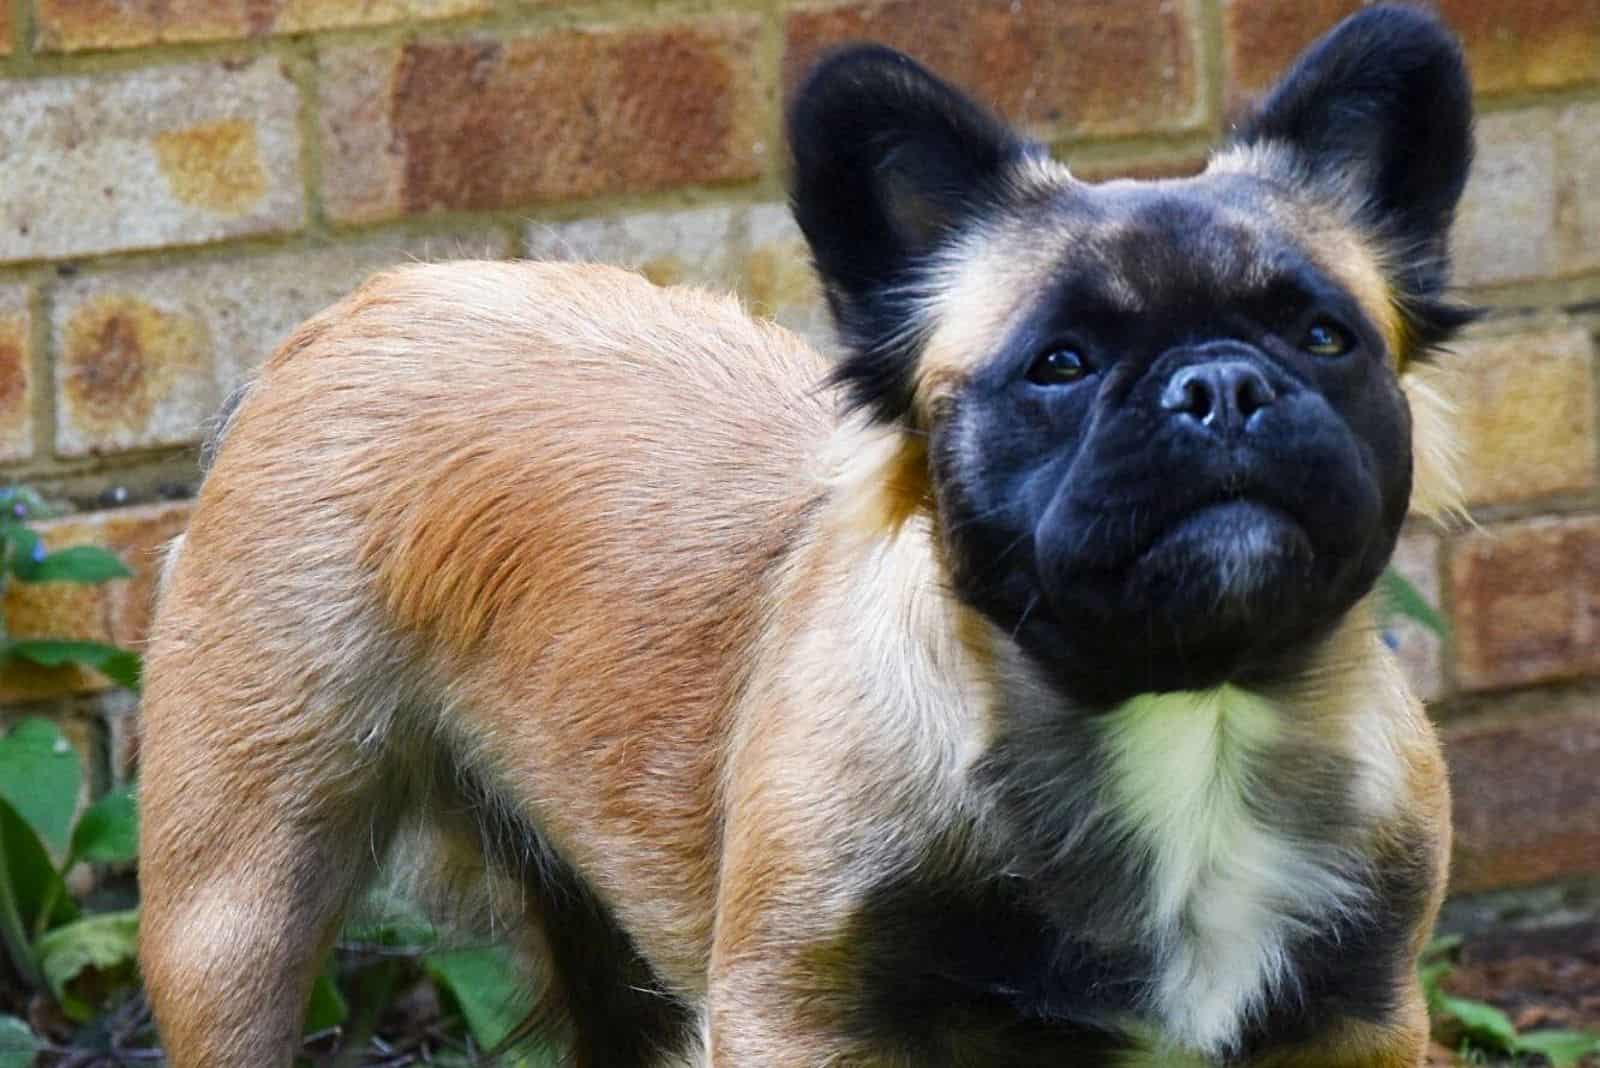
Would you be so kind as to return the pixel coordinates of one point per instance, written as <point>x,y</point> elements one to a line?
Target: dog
<point>1006,692</point>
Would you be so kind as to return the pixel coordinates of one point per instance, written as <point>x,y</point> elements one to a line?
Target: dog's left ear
<point>889,162</point>
<point>1379,112</point>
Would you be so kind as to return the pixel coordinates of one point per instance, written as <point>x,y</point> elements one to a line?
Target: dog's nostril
<point>1188,393</point>
<point>1223,395</point>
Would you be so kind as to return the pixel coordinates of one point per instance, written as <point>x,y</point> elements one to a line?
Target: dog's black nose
<point>1222,394</point>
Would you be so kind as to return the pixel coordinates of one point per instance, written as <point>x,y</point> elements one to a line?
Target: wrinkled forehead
<point>1145,250</point>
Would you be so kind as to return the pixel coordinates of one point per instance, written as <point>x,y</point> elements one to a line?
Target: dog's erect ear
<point>888,162</point>
<point>1381,110</point>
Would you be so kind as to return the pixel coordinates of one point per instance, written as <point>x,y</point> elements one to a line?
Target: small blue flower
<point>38,553</point>
<point>1390,638</point>
<point>20,510</point>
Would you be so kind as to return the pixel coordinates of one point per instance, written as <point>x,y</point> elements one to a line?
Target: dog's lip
<point>1252,497</point>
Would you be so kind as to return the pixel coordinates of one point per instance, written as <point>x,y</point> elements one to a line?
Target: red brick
<point>116,611</point>
<point>1526,806</point>
<point>16,374</point>
<point>1088,67</point>
<point>1539,44</point>
<point>76,25</point>
<point>490,124</point>
<point>1262,37</point>
<point>1529,44</point>
<point>1526,598</point>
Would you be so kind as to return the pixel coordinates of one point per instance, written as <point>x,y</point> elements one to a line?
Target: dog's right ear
<point>888,162</point>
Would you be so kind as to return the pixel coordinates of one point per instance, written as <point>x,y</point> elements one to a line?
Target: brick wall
<point>183,180</point>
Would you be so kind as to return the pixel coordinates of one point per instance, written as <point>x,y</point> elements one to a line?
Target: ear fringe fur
<point>1436,490</point>
<point>879,477</point>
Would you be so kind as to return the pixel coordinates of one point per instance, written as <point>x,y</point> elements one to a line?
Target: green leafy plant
<point>24,558</point>
<point>1486,1029</point>
<point>49,943</point>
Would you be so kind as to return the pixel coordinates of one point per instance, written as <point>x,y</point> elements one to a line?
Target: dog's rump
<point>559,486</point>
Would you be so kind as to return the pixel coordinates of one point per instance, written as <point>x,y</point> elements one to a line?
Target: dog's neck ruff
<point>1227,891</point>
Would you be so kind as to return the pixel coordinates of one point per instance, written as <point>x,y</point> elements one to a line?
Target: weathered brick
<point>1505,229</point>
<point>1151,169</point>
<point>1545,44</point>
<point>6,31</point>
<point>496,123</point>
<point>1092,67</point>
<point>77,25</point>
<point>777,278</point>
<point>699,246</point>
<point>162,156</point>
<point>146,355</point>
<point>1420,649</point>
<point>757,252</point>
<point>1526,410</point>
<point>1526,597</point>
<point>1526,807</point>
<point>1578,188</point>
<point>116,612</point>
<point>1510,46</point>
<point>16,374</point>
<point>1262,37</point>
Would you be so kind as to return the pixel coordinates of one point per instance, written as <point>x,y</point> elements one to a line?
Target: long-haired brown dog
<point>1020,706</point>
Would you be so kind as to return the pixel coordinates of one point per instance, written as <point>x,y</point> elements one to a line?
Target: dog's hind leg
<point>263,811</point>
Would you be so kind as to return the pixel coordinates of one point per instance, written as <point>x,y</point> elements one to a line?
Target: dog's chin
<point>1217,589</point>
<point>1231,564</point>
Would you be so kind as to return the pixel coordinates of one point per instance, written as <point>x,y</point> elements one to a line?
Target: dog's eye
<point>1327,338</point>
<point>1058,367</point>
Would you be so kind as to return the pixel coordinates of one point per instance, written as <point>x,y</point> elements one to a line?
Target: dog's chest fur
<point>1187,888</point>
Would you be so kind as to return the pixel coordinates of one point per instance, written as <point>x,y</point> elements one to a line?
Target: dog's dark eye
<point>1327,338</point>
<point>1058,367</point>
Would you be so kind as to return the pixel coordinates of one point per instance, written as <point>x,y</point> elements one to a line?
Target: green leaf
<point>121,666</point>
<point>106,943</point>
<point>23,549</point>
<point>81,563</point>
<point>18,1043</point>
<point>488,988</point>
<point>1563,1049</point>
<point>1401,598</point>
<point>1485,1023</point>
<point>327,1008</point>
<point>29,886</point>
<point>40,774</point>
<point>108,830</point>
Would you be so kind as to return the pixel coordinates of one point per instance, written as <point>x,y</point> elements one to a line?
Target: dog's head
<point>1161,423</point>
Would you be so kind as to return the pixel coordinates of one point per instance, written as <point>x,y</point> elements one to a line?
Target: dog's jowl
<point>1005,694</point>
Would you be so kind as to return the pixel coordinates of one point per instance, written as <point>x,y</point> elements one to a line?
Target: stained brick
<point>1578,187</point>
<point>777,278</point>
<point>1420,650</point>
<point>1091,67</point>
<point>491,124</point>
<point>1527,602</point>
<point>16,374</point>
<point>1262,37</point>
<point>1545,44</point>
<point>1530,45</point>
<point>116,612</point>
<point>1526,409</point>
<point>146,355</point>
<point>162,156</point>
<point>1526,807</point>
<point>668,247</point>
<point>1505,229</point>
<point>76,25</point>
<point>755,251</point>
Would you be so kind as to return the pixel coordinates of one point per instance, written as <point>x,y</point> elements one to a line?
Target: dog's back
<point>563,490</point>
